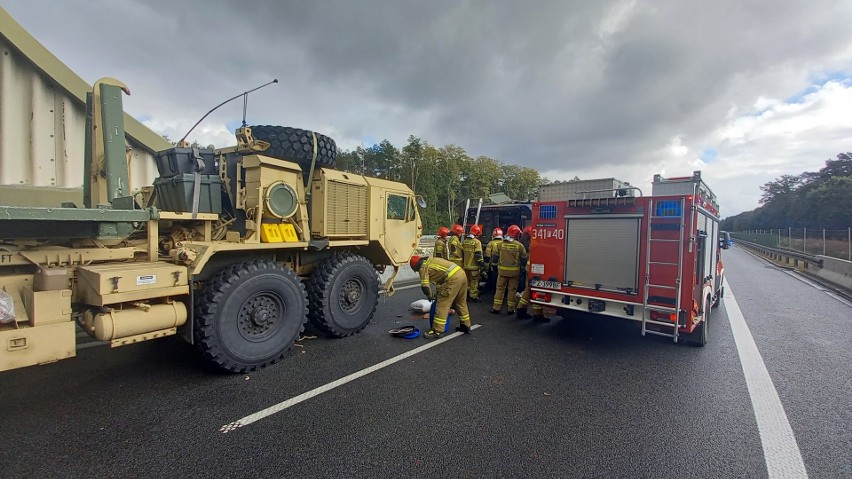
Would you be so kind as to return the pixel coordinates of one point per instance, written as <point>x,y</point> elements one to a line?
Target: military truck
<point>234,249</point>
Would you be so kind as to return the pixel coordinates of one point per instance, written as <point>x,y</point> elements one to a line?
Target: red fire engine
<point>653,259</point>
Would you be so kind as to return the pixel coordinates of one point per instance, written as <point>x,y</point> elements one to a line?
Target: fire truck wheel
<point>699,336</point>
<point>719,296</point>
<point>249,314</point>
<point>343,293</point>
<point>295,144</point>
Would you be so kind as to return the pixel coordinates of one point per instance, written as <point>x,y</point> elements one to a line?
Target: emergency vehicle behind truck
<point>653,259</point>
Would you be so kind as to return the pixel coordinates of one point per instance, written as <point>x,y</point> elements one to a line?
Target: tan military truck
<point>234,249</point>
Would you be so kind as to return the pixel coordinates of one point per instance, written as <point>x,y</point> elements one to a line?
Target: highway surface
<point>579,397</point>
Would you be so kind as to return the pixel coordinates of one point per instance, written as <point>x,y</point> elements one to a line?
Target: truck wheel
<point>294,144</point>
<point>719,294</point>
<point>249,314</point>
<point>343,294</point>
<point>699,336</point>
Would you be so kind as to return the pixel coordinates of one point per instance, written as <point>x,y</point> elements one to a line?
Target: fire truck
<point>652,259</point>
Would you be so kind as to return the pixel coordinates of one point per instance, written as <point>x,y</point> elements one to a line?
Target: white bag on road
<point>421,306</point>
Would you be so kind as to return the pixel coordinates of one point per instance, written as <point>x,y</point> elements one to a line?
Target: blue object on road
<point>407,332</point>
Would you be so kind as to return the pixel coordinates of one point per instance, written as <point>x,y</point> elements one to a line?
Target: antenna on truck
<point>245,106</point>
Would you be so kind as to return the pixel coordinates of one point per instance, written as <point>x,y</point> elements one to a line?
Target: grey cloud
<point>550,84</point>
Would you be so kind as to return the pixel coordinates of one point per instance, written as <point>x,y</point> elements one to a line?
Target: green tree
<point>784,185</point>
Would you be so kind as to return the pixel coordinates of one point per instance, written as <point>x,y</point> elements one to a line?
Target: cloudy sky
<point>744,90</point>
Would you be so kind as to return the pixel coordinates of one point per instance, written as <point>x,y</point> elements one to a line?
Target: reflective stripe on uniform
<point>431,265</point>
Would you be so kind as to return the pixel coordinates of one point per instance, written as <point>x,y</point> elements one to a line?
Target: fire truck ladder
<point>647,308</point>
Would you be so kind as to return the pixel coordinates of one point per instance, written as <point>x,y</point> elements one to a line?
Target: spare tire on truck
<point>297,145</point>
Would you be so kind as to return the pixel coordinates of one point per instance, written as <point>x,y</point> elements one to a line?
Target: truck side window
<point>411,209</point>
<point>396,207</point>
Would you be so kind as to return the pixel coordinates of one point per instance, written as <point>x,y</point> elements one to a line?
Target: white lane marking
<point>780,449</point>
<point>328,387</point>
<point>839,298</point>
<point>804,280</point>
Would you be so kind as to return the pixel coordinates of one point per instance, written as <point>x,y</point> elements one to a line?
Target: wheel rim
<point>260,316</point>
<point>352,295</point>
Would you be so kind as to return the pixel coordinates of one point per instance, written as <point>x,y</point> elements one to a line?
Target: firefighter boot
<point>522,313</point>
<point>432,334</point>
<point>463,328</point>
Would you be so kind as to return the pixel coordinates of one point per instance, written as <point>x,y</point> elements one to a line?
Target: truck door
<point>400,222</point>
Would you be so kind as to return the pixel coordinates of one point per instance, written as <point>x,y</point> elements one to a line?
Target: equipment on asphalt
<point>653,259</point>
<point>421,306</point>
<point>234,249</point>
<point>407,332</point>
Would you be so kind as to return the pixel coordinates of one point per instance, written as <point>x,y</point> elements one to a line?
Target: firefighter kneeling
<point>451,286</point>
<point>538,311</point>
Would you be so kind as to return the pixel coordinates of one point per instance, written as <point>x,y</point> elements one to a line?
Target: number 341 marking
<point>549,233</point>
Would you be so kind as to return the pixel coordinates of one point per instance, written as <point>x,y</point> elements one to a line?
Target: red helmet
<point>476,230</point>
<point>497,232</point>
<point>443,231</point>
<point>458,229</point>
<point>528,230</point>
<point>514,231</point>
<point>415,260</point>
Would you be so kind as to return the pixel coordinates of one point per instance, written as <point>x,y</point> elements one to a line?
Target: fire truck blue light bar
<point>668,208</point>
<point>547,212</point>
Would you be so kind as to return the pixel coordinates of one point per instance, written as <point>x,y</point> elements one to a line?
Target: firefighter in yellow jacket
<point>512,257</point>
<point>492,252</point>
<point>441,243</point>
<point>451,290</point>
<point>454,246</point>
<point>472,261</point>
<point>537,310</point>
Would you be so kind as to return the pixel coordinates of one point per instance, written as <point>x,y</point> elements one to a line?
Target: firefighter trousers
<point>506,286</point>
<point>525,300</point>
<point>452,293</point>
<point>472,283</point>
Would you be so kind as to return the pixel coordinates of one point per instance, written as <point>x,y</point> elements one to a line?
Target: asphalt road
<point>579,397</point>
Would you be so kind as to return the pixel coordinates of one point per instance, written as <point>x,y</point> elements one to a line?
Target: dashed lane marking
<point>328,387</point>
<point>780,449</point>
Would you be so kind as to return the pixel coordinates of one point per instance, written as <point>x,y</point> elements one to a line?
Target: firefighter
<point>525,240</point>
<point>472,261</point>
<point>512,257</point>
<point>538,311</point>
<point>492,252</point>
<point>451,290</point>
<point>454,246</point>
<point>441,243</point>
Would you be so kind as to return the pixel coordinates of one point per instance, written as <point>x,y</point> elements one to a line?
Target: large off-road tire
<point>294,144</point>
<point>249,314</point>
<point>343,293</point>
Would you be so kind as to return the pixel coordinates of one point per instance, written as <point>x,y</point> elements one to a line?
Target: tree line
<point>820,199</point>
<point>443,176</point>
